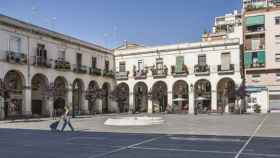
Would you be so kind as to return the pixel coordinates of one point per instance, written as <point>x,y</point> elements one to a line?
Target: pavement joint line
<point>251,137</point>
<point>85,144</point>
<point>126,147</point>
<point>266,155</point>
<point>185,150</point>
<point>87,138</point>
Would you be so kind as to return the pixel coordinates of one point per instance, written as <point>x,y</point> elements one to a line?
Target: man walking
<point>66,119</point>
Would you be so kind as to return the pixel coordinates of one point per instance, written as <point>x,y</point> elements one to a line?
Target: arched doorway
<point>39,85</point>
<point>180,96</point>
<point>141,97</point>
<point>14,85</point>
<point>121,94</point>
<point>106,88</point>
<point>92,96</point>
<point>202,96</point>
<point>226,95</point>
<point>159,96</point>
<point>60,96</point>
<point>78,89</point>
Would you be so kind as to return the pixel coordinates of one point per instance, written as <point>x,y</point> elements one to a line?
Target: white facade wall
<point>28,45</point>
<point>190,51</point>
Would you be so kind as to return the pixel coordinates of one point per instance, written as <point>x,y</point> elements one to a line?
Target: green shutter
<point>261,57</point>
<point>247,60</point>
<point>255,20</point>
<point>179,63</point>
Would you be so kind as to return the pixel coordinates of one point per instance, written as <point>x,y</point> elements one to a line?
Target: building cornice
<point>24,26</point>
<point>177,47</point>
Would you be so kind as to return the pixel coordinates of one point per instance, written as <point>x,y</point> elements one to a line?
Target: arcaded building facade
<point>189,77</point>
<point>42,71</point>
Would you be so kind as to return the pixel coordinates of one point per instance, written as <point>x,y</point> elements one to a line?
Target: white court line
<point>262,155</point>
<point>126,147</point>
<point>251,137</point>
<point>185,150</point>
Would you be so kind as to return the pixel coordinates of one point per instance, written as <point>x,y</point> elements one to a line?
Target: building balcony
<point>42,62</point>
<point>179,71</point>
<point>80,69</point>
<point>108,73</point>
<point>62,65</point>
<point>17,58</point>
<point>122,75</point>
<point>226,69</point>
<point>140,74</point>
<point>160,73</point>
<point>201,70</point>
<point>254,60</point>
<point>95,71</point>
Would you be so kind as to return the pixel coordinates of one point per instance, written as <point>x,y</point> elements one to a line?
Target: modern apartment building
<point>189,77</point>
<point>262,48</point>
<point>42,71</point>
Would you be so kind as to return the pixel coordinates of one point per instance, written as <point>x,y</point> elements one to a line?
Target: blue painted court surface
<point>46,144</point>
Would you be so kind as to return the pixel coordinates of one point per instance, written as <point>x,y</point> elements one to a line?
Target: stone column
<point>26,109</point>
<point>131,103</point>
<point>50,102</point>
<point>150,106</point>
<point>69,98</point>
<point>214,100</point>
<point>169,98</point>
<point>85,106</point>
<point>191,102</point>
<point>98,106</point>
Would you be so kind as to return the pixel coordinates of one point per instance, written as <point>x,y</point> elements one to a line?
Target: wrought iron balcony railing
<point>226,69</point>
<point>42,62</point>
<point>122,75</point>
<point>62,65</point>
<point>201,70</point>
<point>140,74</point>
<point>95,71</point>
<point>81,69</point>
<point>14,57</point>
<point>182,72</point>
<point>108,73</point>
<point>160,73</point>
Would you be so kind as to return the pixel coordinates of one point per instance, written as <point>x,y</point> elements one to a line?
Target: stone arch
<point>180,91</point>
<point>122,97</point>
<point>60,94</point>
<point>78,89</point>
<point>14,82</point>
<point>39,85</point>
<point>92,96</point>
<point>140,94</point>
<point>226,95</point>
<point>106,88</point>
<point>159,96</point>
<point>202,90</point>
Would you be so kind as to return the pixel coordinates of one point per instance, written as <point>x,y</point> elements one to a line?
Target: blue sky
<point>110,22</point>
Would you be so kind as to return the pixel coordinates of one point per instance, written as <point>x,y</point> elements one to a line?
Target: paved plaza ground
<point>181,136</point>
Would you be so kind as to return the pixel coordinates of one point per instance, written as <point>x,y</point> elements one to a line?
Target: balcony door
<point>79,59</point>
<point>225,61</point>
<point>202,59</point>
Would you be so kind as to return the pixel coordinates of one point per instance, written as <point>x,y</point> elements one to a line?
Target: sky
<point>110,22</point>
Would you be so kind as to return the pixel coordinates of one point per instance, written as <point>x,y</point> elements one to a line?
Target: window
<point>202,59</point>
<point>277,20</point>
<point>277,76</point>
<point>61,55</point>
<point>140,65</point>
<point>277,57</point>
<point>107,65</point>
<point>179,63</point>
<point>256,77</point>
<point>122,66</point>
<point>79,59</point>
<point>159,63</point>
<point>14,44</point>
<point>225,61</point>
<point>93,62</point>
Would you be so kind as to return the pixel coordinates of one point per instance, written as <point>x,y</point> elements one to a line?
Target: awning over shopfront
<point>255,20</point>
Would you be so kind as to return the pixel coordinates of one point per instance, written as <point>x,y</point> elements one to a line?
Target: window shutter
<point>179,63</point>
<point>247,60</point>
<point>261,57</point>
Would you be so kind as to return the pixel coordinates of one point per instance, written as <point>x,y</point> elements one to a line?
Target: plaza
<point>179,136</point>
